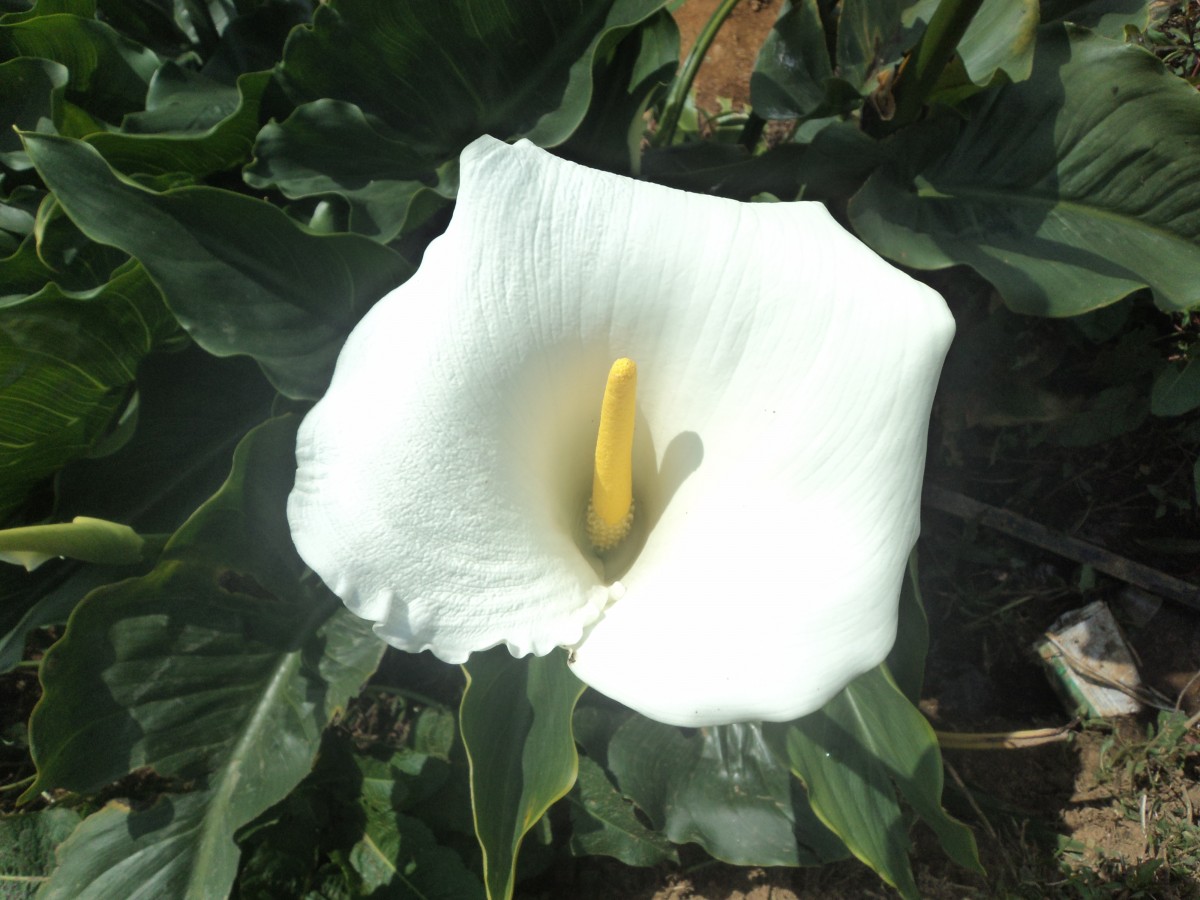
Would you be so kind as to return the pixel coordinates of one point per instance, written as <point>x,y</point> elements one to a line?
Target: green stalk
<point>927,62</point>
<point>677,96</point>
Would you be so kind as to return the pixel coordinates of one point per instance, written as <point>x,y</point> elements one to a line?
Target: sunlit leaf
<point>27,843</point>
<point>397,854</point>
<point>239,275</point>
<point>853,755</point>
<point>515,721</point>
<point>1106,17</point>
<point>1067,191</point>
<point>603,823</point>
<point>219,667</point>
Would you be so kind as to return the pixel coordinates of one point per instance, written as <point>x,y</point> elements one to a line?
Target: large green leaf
<point>795,78</point>
<point>222,146</point>
<point>1106,17</point>
<point>515,721</point>
<point>791,74</point>
<point>386,186</point>
<point>632,78</point>
<point>239,275</point>
<point>397,854</point>
<point>1000,37</point>
<point>28,90</point>
<point>849,755</point>
<point>722,788</point>
<point>441,74</point>
<point>1176,390</point>
<point>221,667</point>
<point>1067,191</point>
<point>191,411</point>
<point>108,73</point>
<point>71,359</point>
<point>604,823</point>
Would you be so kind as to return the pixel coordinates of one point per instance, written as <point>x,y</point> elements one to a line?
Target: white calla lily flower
<point>784,377</point>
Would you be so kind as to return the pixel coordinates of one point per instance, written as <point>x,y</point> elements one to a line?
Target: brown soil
<point>725,72</point>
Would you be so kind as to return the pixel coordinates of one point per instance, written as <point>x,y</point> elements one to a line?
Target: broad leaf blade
<point>851,752</point>
<point>1067,191</point>
<point>441,74</point>
<point>515,721</point>
<point>386,186</point>
<point>722,788</point>
<point>218,667</point>
<point>71,359</point>
<point>1106,17</point>
<point>239,275</point>
<point>108,73</point>
<point>222,146</point>
<point>603,823</point>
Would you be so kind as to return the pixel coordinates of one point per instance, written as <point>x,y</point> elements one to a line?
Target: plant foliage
<point>199,199</point>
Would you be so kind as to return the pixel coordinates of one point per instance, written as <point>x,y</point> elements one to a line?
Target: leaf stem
<point>921,70</point>
<point>677,96</point>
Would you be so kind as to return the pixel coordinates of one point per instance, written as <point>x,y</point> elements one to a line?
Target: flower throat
<point>610,510</point>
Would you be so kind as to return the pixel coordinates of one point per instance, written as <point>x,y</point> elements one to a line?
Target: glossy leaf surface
<point>852,757</point>
<point>240,276</point>
<point>1067,191</point>
<point>515,721</point>
<point>216,668</point>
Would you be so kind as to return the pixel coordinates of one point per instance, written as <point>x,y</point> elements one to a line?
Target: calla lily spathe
<point>786,375</point>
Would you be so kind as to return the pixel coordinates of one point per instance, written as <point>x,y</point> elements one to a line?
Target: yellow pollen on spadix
<point>610,511</point>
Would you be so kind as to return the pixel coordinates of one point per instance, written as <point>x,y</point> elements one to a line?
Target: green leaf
<point>192,410</point>
<point>906,662</point>
<point>28,90</point>
<point>853,754</point>
<point>630,80</point>
<point>722,788</point>
<point>871,37</point>
<point>397,855</point>
<point>387,187</point>
<point>239,275</point>
<point>441,74</point>
<point>515,722</point>
<point>89,540</point>
<point>1106,17</point>
<point>222,146</point>
<point>1000,37</point>
<point>1067,191</point>
<point>1176,391</point>
<point>27,843</point>
<point>72,358</point>
<point>220,667</point>
<point>108,73</point>
<point>603,823</point>
<point>793,67</point>
<point>119,852</point>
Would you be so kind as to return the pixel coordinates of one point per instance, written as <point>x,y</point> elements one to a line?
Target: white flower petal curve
<point>785,379</point>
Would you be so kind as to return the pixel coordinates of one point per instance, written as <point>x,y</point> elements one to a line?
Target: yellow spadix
<point>610,512</point>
